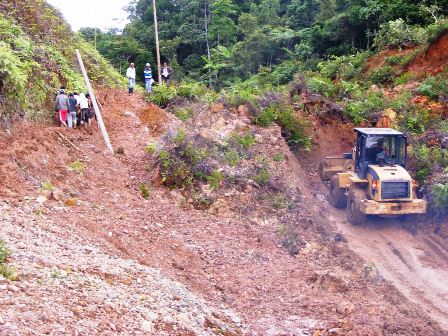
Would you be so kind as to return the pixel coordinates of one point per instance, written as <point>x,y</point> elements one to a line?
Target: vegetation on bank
<point>37,56</point>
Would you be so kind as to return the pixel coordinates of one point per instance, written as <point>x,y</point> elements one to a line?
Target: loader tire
<point>337,195</point>
<point>354,214</point>
<point>322,171</point>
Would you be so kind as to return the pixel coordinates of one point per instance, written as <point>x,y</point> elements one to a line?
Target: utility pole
<point>94,103</point>
<point>154,9</point>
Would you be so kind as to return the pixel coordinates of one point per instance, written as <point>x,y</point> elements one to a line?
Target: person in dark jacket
<point>71,116</point>
<point>62,106</point>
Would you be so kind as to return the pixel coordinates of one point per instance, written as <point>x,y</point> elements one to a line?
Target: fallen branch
<point>64,138</point>
<point>23,168</point>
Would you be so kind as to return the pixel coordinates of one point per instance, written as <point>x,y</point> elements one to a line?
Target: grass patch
<point>47,186</point>
<point>279,157</point>
<point>76,167</point>
<point>8,272</point>
<point>184,113</point>
<point>150,148</point>
<point>145,190</point>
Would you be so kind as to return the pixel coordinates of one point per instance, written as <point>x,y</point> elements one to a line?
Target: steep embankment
<point>37,56</point>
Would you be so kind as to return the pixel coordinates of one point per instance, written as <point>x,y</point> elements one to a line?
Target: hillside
<point>210,217</point>
<point>37,56</point>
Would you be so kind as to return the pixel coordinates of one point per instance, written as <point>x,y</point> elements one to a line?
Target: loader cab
<point>379,146</point>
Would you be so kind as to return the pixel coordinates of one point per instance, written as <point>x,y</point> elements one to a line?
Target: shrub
<point>162,94</point>
<point>241,94</point>
<point>150,148</point>
<point>435,30</point>
<point>404,78</point>
<point>180,136</point>
<point>434,87</point>
<point>382,75</point>
<point>360,110</point>
<point>440,192</point>
<point>263,176</point>
<point>344,67</point>
<point>5,252</point>
<point>245,141</point>
<point>398,34</point>
<point>417,121</point>
<point>215,179</point>
<point>232,157</point>
<point>8,272</point>
<point>145,190</point>
<point>191,90</point>
<point>403,60</point>
<point>184,163</point>
<point>294,129</point>
<point>266,116</point>
<point>321,85</point>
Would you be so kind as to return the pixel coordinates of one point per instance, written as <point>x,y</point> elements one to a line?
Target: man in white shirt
<point>130,74</point>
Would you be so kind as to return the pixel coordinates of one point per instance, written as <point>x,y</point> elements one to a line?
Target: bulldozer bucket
<point>332,165</point>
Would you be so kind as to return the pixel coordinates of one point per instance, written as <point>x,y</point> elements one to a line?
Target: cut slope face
<point>434,60</point>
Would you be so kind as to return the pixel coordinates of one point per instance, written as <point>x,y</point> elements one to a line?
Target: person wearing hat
<point>147,74</point>
<point>62,106</point>
<point>130,74</point>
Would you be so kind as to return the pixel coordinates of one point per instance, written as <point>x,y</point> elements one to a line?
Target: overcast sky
<point>101,14</point>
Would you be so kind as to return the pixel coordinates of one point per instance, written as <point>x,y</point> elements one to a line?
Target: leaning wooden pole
<point>94,103</point>
<point>156,29</point>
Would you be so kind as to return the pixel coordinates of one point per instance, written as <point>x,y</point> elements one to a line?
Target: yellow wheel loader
<point>373,180</point>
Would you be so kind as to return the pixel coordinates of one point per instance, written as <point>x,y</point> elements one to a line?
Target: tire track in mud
<point>400,258</point>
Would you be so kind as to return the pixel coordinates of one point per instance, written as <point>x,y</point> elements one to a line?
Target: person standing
<point>130,74</point>
<point>90,113</point>
<point>147,74</point>
<point>62,105</point>
<point>84,106</point>
<point>71,117</point>
<point>166,73</point>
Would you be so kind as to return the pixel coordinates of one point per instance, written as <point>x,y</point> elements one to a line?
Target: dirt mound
<point>434,60</point>
<point>154,118</point>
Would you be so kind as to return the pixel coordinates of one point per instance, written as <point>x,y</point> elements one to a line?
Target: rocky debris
<point>57,195</point>
<point>93,286</point>
<point>331,281</point>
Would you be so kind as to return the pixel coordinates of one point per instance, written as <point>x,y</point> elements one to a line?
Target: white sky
<point>101,14</point>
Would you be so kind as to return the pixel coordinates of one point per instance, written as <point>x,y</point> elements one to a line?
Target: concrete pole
<point>156,29</point>
<point>94,103</point>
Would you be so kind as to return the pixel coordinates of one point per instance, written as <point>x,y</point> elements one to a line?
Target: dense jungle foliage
<point>222,42</point>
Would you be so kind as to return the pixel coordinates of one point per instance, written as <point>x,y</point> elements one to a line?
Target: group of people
<point>147,76</point>
<point>73,110</point>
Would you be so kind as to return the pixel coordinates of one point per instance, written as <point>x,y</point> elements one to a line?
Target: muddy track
<point>402,259</point>
<point>417,265</point>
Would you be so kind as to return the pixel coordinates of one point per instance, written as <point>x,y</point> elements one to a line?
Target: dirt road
<point>416,264</point>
